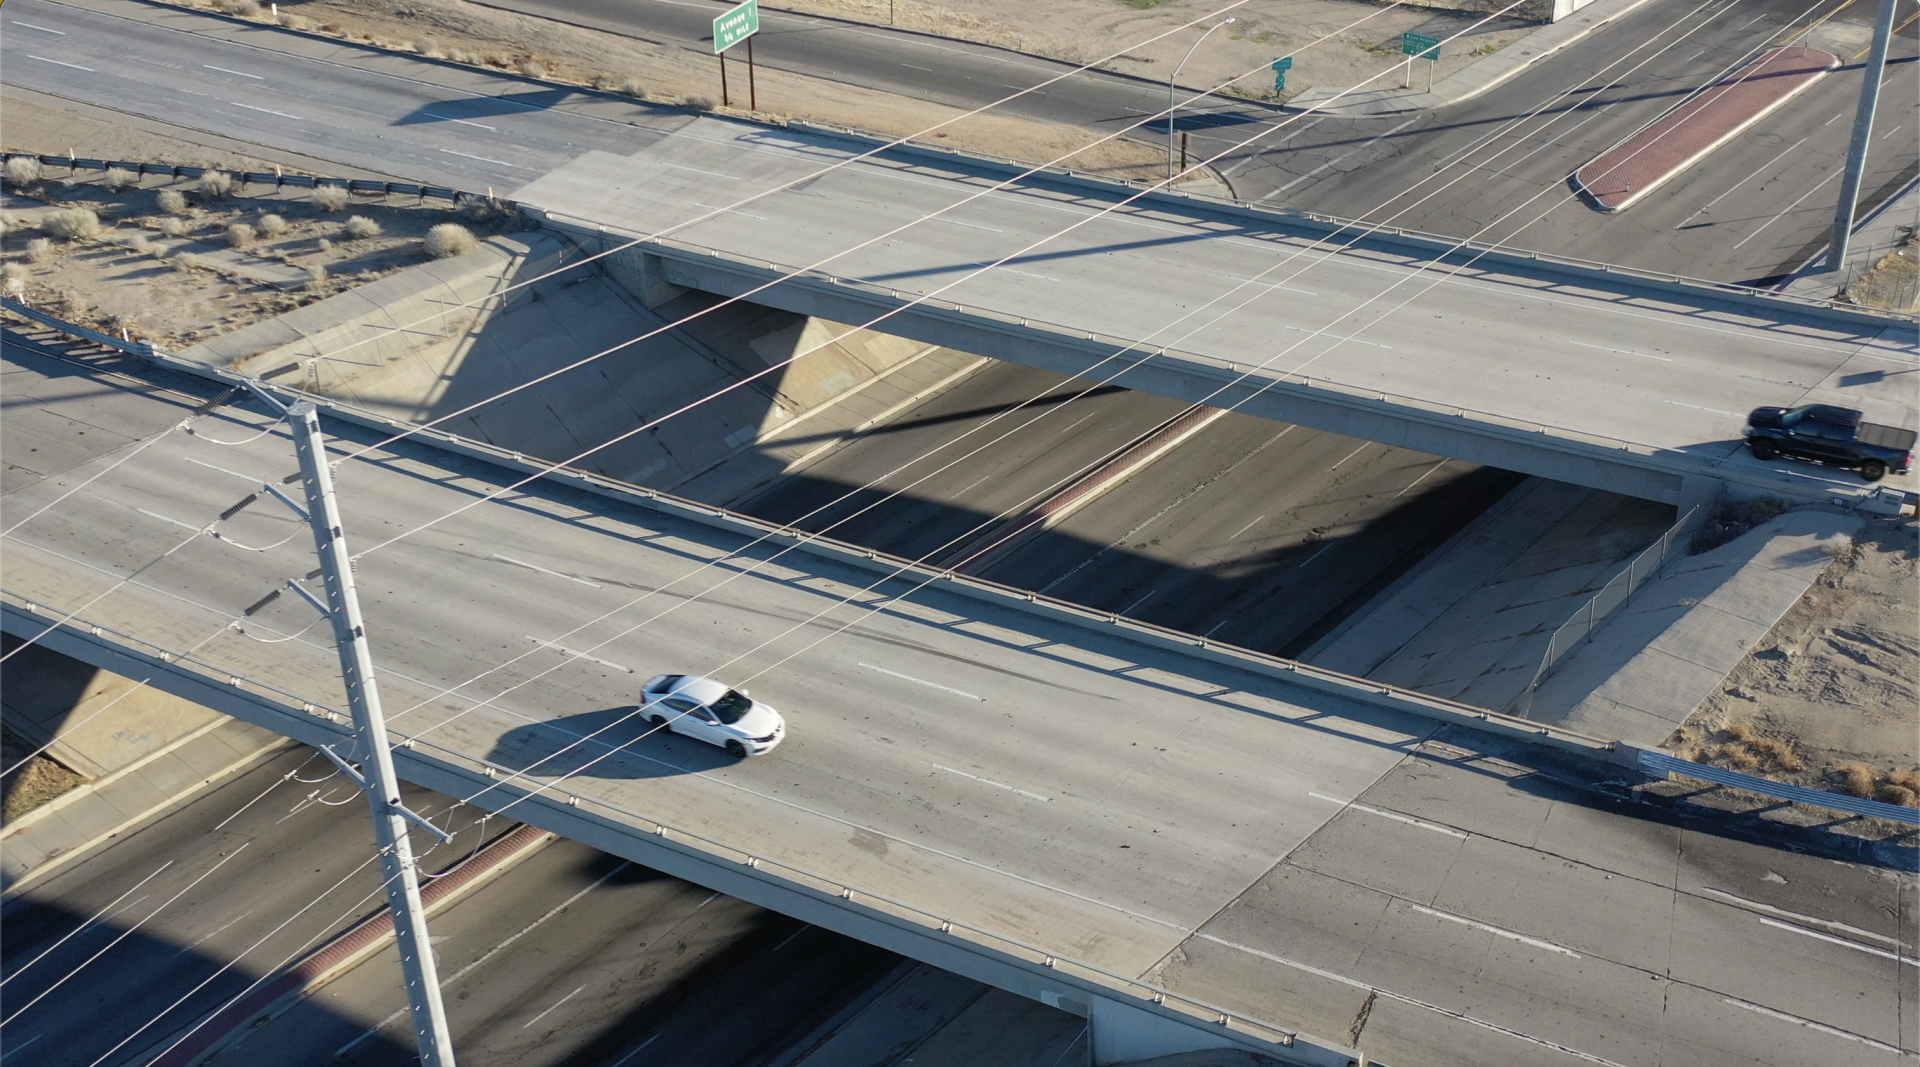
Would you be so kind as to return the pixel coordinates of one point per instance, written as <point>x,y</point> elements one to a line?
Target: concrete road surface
<point>1466,903</point>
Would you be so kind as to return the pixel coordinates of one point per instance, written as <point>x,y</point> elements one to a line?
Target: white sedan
<point>706,710</point>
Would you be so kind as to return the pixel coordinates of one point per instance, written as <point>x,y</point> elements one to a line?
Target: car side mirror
<point>746,692</point>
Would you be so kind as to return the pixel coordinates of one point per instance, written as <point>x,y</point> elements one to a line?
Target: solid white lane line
<point>1316,555</point>
<point>1349,456</point>
<point>1029,274</point>
<point>1496,931</point>
<point>543,570</point>
<point>1829,938</point>
<point>1696,407</point>
<point>1245,528</point>
<point>1335,160</point>
<point>923,681</point>
<point>267,111</point>
<point>1828,923</point>
<point>1621,351</point>
<point>1271,285</point>
<point>1128,610</point>
<point>163,518</point>
<point>789,938</point>
<point>483,159</point>
<point>1750,176</point>
<point>463,122</point>
<point>728,211</point>
<point>988,781</point>
<point>1394,815</point>
<point>1404,999</point>
<point>549,1011</point>
<point>968,225</point>
<point>62,63</point>
<point>1418,480</point>
<point>910,66</point>
<point>240,73</point>
<point>491,953</point>
<point>223,470</point>
<point>621,1062</point>
<point>1809,1024</point>
<point>42,29</point>
<point>210,933</point>
<point>1788,210</point>
<point>565,651</point>
<point>697,170</point>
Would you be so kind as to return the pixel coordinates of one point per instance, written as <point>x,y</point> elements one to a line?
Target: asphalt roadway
<point>1460,904</point>
<point>1753,211</point>
<point>1251,532</point>
<point>570,957</point>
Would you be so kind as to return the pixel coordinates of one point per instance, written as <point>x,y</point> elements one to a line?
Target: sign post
<point>1419,46</point>
<point>1280,68</point>
<point>736,24</point>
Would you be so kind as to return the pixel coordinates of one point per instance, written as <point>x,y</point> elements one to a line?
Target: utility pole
<point>376,776</point>
<point>1862,132</point>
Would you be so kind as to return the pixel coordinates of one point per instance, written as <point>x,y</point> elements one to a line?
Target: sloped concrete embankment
<point>438,340</point>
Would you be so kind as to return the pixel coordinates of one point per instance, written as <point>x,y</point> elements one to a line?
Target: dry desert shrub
<point>330,197</point>
<point>120,179</point>
<point>273,225</point>
<point>635,88</point>
<point>39,250</point>
<point>73,224</point>
<point>702,103</point>
<point>316,276</point>
<point>360,227</point>
<point>240,235</point>
<point>1776,754</point>
<point>216,185</point>
<point>1907,779</point>
<point>22,171</point>
<point>1897,794</point>
<point>1738,731</point>
<point>448,239</point>
<point>1854,778</point>
<point>136,244</point>
<point>173,201</point>
<point>533,69</point>
<point>14,278</point>
<point>173,227</point>
<point>427,46</point>
<point>245,9</point>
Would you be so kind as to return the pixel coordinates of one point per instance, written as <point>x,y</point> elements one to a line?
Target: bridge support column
<point>1121,1034</point>
<point>639,273</point>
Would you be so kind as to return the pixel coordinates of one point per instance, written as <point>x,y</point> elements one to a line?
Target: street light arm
<point>1170,80</point>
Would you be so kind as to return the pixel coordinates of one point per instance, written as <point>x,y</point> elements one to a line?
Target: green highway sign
<point>1417,45</point>
<point>1280,68</point>
<point>736,24</point>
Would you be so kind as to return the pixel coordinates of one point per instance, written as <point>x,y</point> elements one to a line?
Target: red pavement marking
<point>1675,141</point>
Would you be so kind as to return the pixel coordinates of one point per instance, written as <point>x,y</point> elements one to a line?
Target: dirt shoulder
<point>1829,697</point>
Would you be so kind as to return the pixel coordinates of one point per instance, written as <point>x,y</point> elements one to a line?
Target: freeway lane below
<point>1043,781</point>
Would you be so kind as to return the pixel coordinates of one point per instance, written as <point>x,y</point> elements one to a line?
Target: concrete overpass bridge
<point>1577,372</point>
<point>1192,845</point>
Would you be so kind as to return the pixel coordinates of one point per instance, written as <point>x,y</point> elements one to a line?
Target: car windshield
<point>730,708</point>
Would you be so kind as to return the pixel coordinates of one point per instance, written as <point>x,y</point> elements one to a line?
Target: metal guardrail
<point>1660,765</point>
<point>1089,974</point>
<point>354,186</point>
<point>1608,600</point>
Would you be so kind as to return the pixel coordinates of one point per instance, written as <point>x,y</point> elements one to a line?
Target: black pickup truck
<point>1829,434</point>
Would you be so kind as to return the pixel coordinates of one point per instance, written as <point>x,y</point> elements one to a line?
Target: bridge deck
<point>1107,801</point>
<point>1502,344</point>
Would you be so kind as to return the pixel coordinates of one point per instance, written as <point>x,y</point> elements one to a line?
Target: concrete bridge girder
<point>1678,480</point>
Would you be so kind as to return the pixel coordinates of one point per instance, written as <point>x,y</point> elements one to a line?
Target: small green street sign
<point>1417,45</point>
<point>736,24</point>
<point>1280,68</point>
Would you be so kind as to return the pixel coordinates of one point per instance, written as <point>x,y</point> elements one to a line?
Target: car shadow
<point>611,743</point>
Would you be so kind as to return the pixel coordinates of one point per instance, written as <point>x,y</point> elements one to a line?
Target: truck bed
<point>1878,435</point>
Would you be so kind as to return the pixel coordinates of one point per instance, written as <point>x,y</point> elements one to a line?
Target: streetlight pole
<point>1170,78</point>
<point>1857,151</point>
